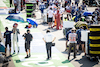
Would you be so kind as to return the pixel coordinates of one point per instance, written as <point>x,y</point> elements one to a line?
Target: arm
<point>18,31</point>
<point>44,40</point>
<point>4,35</point>
<point>66,42</point>
<point>54,39</point>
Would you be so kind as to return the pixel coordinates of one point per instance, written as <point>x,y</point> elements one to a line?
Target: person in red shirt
<point>57,17</point>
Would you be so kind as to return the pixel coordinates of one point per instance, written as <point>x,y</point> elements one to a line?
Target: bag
<point>53,44</point>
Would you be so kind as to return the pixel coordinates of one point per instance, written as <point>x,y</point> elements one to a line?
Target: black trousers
<point>15,9</point>
<point>74,49</point>
<point>10,3</point>
<point>48,48</point>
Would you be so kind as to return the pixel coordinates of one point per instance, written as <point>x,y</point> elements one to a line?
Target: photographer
<point>28,38</point>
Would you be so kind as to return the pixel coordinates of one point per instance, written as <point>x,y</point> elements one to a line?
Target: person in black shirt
<point>7,36</point>
<point>28,38</point>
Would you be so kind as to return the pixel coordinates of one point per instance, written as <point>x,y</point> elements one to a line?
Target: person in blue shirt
<point>42,7</point>
<point>78,14</point>
<point>79,42</point>
<point>76,2</point>
<point>73,9</point>
<point>83,6</point>
<point>7,36</point>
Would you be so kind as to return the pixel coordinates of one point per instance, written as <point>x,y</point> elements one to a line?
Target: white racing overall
<point>15,40</point>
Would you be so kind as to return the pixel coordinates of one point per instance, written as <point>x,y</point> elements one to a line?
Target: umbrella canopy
<point>32,21</point>
<point>87,13</point>
<point>15,18</point>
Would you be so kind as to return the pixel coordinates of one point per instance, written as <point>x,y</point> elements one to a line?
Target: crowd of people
<point>55,12</point>
<point>56,9</point>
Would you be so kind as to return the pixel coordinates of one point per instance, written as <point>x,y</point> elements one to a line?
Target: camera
<point>24,35</point>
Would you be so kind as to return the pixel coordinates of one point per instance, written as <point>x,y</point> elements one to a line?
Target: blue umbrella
<point>32,21</point>
<point>15,18</point>
<point>87,13</point>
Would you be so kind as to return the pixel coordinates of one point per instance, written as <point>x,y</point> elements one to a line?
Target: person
<point>48,39</point>
<point>78,14</point>
<point>72,42</point>
<point>66,2</point>
<point>16,5</point>
<point>10,3</point>
<point>58,18</point>
<point>76,2</point>
<point>73,7</point>
<point>37,1</point>
<point>79,42</point>
<point>7,36</point>
<point>50,18</point>
<point>15,36</point>
<point>61,9</point>
<point>84,6</point>
<point>28,38</point>
<point>42,7</point>
<point>68,10</point>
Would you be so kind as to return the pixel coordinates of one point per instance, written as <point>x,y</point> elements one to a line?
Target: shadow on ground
<point>85,62</point>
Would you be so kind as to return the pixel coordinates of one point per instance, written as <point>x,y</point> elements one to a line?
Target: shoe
<point>48,27</point>
<point>26,56</point>
<point>14,52</point>
<point>47,58</point>
<point>10,55</point>
<point>74,57</point>
<point>68,57</point>
<point>18,51</point>
<point>77,51</point>
<point>51,27</point>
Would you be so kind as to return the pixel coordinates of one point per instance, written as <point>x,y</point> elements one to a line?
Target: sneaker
<point>74,57</point>
<point>47,59</point>
<point>48,27</point>
<point>14,52</point>
<point>68,57</point>
<point>26,56</point>
<point>10,55</point>
<point>18,50</point>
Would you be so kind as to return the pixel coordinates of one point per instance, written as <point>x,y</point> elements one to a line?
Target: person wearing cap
<point>79,42</point>
<point>15,36</point>
<point>72,42</point>
<point>28,38</point>
<point>48,39</point>
<point>7,36</point>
